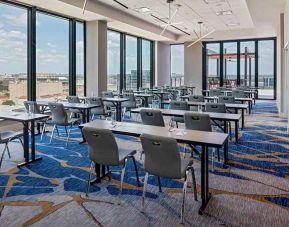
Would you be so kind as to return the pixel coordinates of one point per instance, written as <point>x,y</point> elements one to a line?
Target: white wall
<point>163,64</point>
<point>193,66</point>
<point>96,57</point>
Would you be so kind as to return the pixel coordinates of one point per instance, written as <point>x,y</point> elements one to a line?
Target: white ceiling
<point>190,13</point>
<point>254,18</point>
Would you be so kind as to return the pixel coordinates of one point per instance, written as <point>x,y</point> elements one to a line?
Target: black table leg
<point>204,179</point>
<point>118,111</point>
<point>237,131</point>
<point>26,144</point>
<point>146,102</point>
<point>226,146</point>
<point>87,115</point>
<point>100,173</point>
<point>243,119</point>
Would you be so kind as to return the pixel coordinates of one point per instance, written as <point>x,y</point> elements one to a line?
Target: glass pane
<point>177,65</point>
<point>52,57</point>
<point>131,63</point>
<point>13,57</point>
<point>266,69</point>
<point>213,65</point>
<point>146,64</point>
<point>230,64</point>
<point>80,59</point>
<point>113,61</point>
<point>247,68</point>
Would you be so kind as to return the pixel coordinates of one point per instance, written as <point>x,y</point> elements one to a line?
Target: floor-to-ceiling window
<point>130,62</point>
<point>230,63</point>
<point>13,56</point>
<point>266,69</point>
<point>177,65</point>
<point>249,63</point>
<point>146,63</point>
<point>80,78</point>
<point>131,57</point>
<point>213,65</point>
<point>113,61</point>
<point>52,57</point>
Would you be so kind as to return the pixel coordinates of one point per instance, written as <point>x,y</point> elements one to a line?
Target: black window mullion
<point>122,62</point>
<point>139,63</point>
<point>72,57</point>
<point>152,65</point>
<point>238,63</point>
<point>84,57</point>
<point>221,64</point>
<point>31,54</point>
<point>256,63</point>
<point>204,64</point>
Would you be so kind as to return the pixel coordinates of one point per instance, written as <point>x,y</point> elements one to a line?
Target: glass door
<point>213,65</point>
<point>247,61</point>
<point>230,64</point>
<point>266,67</point>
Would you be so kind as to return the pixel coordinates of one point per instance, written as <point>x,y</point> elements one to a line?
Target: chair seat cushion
<point>178,119</point>
<point>8,135</point>
<point>124,152</point>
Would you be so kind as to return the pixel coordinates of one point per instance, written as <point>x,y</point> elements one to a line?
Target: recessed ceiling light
<point>224,13</point>
<point>213,1</point>
<point>143,10</point>
<point>233,24</point>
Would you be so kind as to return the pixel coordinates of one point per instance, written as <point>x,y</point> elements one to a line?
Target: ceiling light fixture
<point>84,6</point>
<point>143,10</point>
<point>213,1</point>
<point>233,24</point>
<point>224,13</point>
<point>171,17</point>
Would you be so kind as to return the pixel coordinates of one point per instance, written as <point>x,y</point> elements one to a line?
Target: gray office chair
<point>227,99</point>
<point>60,118</point>
<point>35,108</point>
<point>108,94</point>
<point>130,104</point>
<point>218,108</point>
<point>178,105</point>
<point>152,117</point>
<point>200,122</point>
<point>74,99</point>
<point>32,105</point>
<point>162,159</point>
<point>5,138</point>
<point>196,98</point>
<point>239,93</point>
<point>127,91</point>
<point>103,150</point>
<point>215,92</point>
<point>99,111</point>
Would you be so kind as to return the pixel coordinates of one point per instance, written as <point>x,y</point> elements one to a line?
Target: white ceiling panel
<point>190,13</point>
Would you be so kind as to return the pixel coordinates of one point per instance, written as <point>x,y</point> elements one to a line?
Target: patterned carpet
<point>254,191</point>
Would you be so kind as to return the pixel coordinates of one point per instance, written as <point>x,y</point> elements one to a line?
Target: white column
<point>163,64</point>
<point>193,66</point>
<point>96,57</point>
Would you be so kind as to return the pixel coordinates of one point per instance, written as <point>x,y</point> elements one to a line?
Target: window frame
<point>31,47</point>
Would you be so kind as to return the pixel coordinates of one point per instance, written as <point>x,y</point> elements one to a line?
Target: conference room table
<point>84,108</point>
<point>27,120</point>
<point>145,97</point>
<point>117,102</point>
<point>197,138</point>
<point>227,92</point>
<point>229,106</point>
<point>214,99</point>
<point>224,117</point>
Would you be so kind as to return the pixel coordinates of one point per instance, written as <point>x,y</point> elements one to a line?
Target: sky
<point>52,42</point>
<point>52,47</point>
